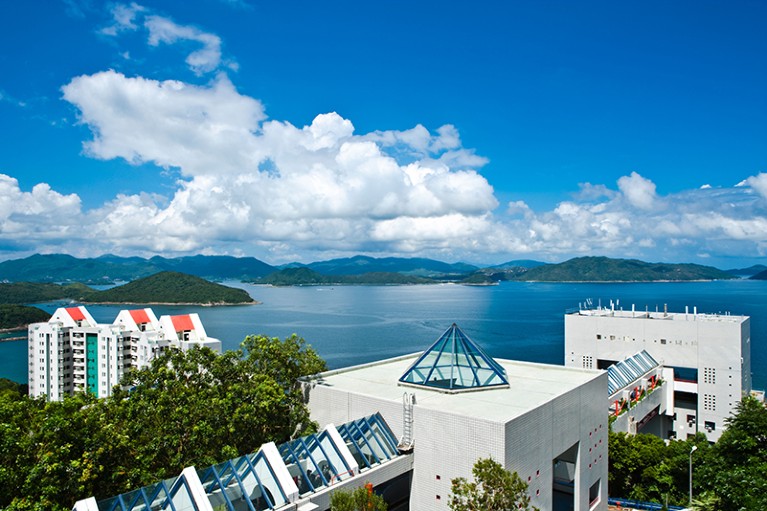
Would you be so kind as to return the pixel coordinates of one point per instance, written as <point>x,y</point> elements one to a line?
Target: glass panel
<point>295,469</point>
<point>338,467</point>
<point>273,492</point>
<point>355,443</point>
<point>320,478</point>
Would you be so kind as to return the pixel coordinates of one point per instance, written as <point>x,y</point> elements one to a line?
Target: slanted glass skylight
<point>272,478</point>
<point>173,493</point>
<point>455,364</point>
<point>628,371</point>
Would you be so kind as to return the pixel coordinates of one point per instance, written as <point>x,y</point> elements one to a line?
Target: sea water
<point>350,325</point>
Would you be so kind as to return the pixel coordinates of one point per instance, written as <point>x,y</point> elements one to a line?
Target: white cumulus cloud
<point>638,191</point>
<point>758,183</point>
<point>243,177</point>
<point>163,30</point>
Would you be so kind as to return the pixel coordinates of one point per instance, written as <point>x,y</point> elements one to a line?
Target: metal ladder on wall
<point>406,442</point>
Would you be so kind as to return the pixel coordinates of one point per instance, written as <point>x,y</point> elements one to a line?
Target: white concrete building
<point>72,353</point>
<point>454,405</point>
<point>706,360</point>
<point>448,406</point>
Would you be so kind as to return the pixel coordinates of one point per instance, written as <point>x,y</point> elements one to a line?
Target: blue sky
<point>295,130</point>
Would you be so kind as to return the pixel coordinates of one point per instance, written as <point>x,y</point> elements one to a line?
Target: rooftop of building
<point>690,315</point>
<point>530,386</point>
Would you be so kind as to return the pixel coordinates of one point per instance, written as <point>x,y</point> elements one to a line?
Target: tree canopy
<point>188,408</point>
<point>359,499</point>
<point>494,489</point>
<point>730,475</point>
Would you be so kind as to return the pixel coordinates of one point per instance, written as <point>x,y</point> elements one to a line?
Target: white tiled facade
<point>547,413</point>
<point>706,359</point>
<point>72,353</point>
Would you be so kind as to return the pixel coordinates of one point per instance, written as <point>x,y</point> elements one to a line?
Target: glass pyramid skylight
<point>455,364</point>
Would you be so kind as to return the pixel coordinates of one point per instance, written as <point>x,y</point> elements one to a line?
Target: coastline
<point>208,304</point>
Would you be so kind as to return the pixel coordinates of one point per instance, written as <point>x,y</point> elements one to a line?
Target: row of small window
<point>626,338</point>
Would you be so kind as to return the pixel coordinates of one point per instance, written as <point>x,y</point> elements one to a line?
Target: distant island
<point>357,270</point>
<point>16,317</point>
<point>307,277</point>
<point>161,288</point>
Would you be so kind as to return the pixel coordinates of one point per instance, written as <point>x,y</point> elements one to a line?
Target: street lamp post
<point>694,448</point>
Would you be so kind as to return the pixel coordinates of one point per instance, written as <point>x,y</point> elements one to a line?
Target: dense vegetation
<point>171,287</point>
<point>762,275</point>
<point>35,292</point>
<point>359,499</point>
<point>189,408</point>
<point>731,475</point>
<point>353,270</point>
<point>19,316</point>
<point>307,277</point>
<point>584,269</point>
<point>493,489</point>
<point>417,266</point>
<point>108,268</point>
<point>163,287</point>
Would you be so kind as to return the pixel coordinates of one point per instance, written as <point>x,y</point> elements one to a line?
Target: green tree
<point>188,408</point>
<point>735,471</point>
<point>706,502</point>
<point>359,499</point>
<point>644,467</point>
<point>494,489</point>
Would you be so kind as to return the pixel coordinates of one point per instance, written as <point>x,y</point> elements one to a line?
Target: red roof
<point>139,316</point>
<point>182,323</point>
<point>75,313</point>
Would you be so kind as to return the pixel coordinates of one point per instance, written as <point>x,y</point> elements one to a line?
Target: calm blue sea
<point>355,324</point>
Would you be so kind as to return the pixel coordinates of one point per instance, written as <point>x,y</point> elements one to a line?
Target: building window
<point>588,362</point>
<point>709,402</point>
<point>594,494</point>
<point>710,426</point>
<point>709,375</point>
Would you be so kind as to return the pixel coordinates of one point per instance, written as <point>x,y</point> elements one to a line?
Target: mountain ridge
<point>365,270</point>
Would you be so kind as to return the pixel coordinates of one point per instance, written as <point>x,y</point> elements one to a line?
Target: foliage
<point>706,502</point>
<point>585,269</point>
<point>19,316</point>
<point>187,408</point>
<point>359,499</point>
<point>737,471</point>
<point>13,389</point>
<point>164,287</point>
<point>494,489</point>
<point>643,467</point>
<point>359,264</point>
<point>728,476</point>
<point>29,292</point>
<point>171,287</point>
<point>109,268</point>
<point>307,277</point>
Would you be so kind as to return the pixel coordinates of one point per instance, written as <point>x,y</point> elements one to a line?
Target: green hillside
<point>304,276</point>
<point>604,269</point>
<point>36,292</point>
<point>19,316</point>
<point>171,287</point>
<point>107,269</point>
<point>419,266</point>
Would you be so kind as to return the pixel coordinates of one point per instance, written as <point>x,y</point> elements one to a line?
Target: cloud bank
<point>247,184</point>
